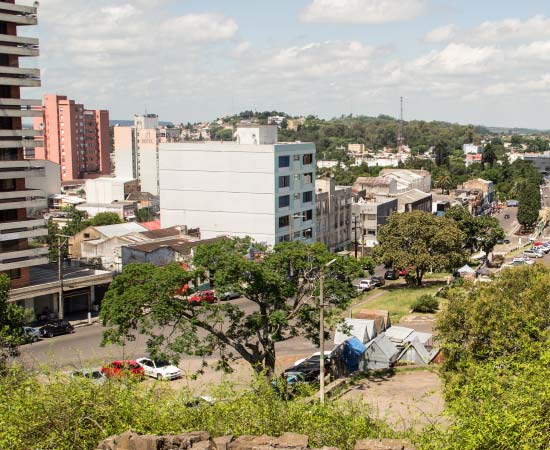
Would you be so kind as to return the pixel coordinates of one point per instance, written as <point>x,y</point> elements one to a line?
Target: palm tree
<point>444,182</point>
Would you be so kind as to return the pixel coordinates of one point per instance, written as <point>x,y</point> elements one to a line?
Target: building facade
<point>370,213</point>
<point>540,161</point>
<point>253,187</point>
<point>333,214</point>
<point>74,137</point>
<point>18,201</point>
<point>137,151</point>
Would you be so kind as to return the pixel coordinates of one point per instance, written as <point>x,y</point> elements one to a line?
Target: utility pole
<point>60,312</point>
<point>322,332</point>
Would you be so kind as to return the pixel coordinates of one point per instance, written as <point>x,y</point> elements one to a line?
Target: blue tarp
<point>353,349</point>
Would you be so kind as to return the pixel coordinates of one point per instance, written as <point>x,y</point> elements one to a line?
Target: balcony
<point>18,225</point>
<point>19,50</point>
<point>20,112</point>
<point>23,258</point>
<point>21,144</point>
<point>18,14</point>
<point>22,169</point>
<point>18,40</point>
<point>17,76</point>
<point>20,102</point>
<point>28,203</point>
<point>20,133</point>
<point>24,234</point>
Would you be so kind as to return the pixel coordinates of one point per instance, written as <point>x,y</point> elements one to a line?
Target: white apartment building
<point>137,152</point>
<point>253,187</point>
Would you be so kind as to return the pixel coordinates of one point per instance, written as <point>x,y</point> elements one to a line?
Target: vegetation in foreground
<point>60,413</point>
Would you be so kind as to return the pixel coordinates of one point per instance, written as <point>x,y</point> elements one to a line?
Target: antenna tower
<point>400,137</point>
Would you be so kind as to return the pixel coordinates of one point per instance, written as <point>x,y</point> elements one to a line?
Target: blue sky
<point>484,61</point>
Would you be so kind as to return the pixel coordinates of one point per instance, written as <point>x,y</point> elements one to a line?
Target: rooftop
<point>120,229</point>
<point>182,245</point>
<point>413,195</point>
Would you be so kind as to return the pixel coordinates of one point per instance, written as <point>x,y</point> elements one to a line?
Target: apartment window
<point>284,161</point>
<point>297,235</point>
<point>7,185</point>
<point>308,215</point>
<point>296,177</point>
<point>285,238</point>
<point>308,158</point>
<point>296,158</point>
<point>8,215</point>
<point>307,233</point>
<point>371,216</point>
<point>284,201</point>
<point>14,274</point>
<point>307,197</point>
<point>284,221</point>
<point>297,196</point>
<point>308,178</point>
<point>284,181</point>
<point>371,232</point>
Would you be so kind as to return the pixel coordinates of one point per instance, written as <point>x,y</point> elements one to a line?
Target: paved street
<point>82,348</point>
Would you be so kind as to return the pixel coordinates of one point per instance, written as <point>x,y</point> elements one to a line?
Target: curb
<point>84,323</point>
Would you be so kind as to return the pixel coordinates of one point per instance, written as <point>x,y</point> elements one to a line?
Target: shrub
<point>426,304</point>
<point>57,412</point>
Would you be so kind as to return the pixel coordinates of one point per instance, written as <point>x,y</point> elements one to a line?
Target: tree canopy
<point>281,286</point>
<point>12,319</point>
<point>105,218</point>
<point>420,241</point>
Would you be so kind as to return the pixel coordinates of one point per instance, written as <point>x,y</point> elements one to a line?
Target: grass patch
<point>436,276</point>
<point>397,301</point>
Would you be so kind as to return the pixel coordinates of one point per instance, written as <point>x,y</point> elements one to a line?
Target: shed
<point>426,339</point>
<point>414,352</point>
<point>362,329</point>
<point>381,316</point>
<point>398,335</point>
<point>466,271</point>
<point>380,353</point>
<point>351,354</point>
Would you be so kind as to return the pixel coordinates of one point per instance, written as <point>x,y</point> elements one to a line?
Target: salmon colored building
<point>74,137</point>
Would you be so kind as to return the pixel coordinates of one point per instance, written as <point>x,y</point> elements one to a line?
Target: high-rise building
<point>76,138</point>
<point>137,151</point>
<point>17,201</point>
<point>253,187</point>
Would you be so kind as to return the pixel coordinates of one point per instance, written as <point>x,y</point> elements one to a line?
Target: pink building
<point>74,137</point>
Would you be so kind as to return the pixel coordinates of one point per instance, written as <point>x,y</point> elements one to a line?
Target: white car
<point>365,285</point>
<point>522,260</point>
<point>533,253</point>
<point>161,370</point>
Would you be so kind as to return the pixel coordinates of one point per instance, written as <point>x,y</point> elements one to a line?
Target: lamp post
<point>322,331</point>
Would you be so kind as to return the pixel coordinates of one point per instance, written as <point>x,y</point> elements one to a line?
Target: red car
<point>403,272</point>
<point>203,296</point>
<point>120,369</point>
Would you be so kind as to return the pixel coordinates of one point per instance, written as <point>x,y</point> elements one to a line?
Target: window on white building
<point>284,201</point>
<point>284,181</point>
<point>284,161</point>
<point>307,197</point>
<point>308,158</point>
<point>308,215</point>
<point>308,178</point>
<point>284,221</point>
<point>307,233</point>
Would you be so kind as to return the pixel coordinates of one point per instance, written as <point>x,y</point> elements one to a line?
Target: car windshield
<point>96,374</point>
<point>162,363</point>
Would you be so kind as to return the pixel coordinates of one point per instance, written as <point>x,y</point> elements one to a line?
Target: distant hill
<point>504,130</point>
<point>129,123</point>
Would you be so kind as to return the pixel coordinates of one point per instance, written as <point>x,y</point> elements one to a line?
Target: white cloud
<point>539,50</point>
<point>536,27</point>
<point>362,11</point>
<point>322,59</point>
<point>441,34</point>
<point>199,28</point>
<point>458,59</point>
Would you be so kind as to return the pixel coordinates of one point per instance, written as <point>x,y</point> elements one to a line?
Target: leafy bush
<point>63,413</point>
<point>426,304</point>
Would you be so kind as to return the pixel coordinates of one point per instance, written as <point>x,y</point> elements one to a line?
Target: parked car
<point>203,296</point>
<point>31,334</point>
<point>403,272</point>
<point>522,260</point>
<point>541,248</point>
<point>55,328</point>
<point>365,285</point>
<point>506,216</point>
<point>161,370</point>
<point>378,281</point>
<point>96,375</point>
<point>531,253</point>
<point>230,295</point>
<point>391,274</point>
<point>122,369</point>
<point>506,241</point>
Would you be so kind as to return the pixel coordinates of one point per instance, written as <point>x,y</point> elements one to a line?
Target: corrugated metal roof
<point>362,329</point>
<point>120,229</point>
<point>385,345</point>
<point>398,334</point>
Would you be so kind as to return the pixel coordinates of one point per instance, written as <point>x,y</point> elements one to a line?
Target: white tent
<point>362,329</point>
<point>466,270</point>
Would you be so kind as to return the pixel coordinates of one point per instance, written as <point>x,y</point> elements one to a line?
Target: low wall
<point>201,440</point>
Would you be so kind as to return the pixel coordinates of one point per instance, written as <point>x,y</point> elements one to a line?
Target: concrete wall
<point>148,163</point>
<point>333,215</point>
<point>125,163</point>
<point>159,257</point>
<point>257,135</point>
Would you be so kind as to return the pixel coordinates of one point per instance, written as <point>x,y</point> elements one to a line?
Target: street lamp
<point>322,331</point>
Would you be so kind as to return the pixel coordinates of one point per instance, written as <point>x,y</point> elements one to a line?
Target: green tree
<point>420,241</point>
<point>283,286</point>
<point>489,156</point>
<point>480,233</point>
<point>105,218</point>
<point>12,319</point>
<point>76,223</point>
<point>529,205</point>
<point>144,215</point>
<point>444,182</point>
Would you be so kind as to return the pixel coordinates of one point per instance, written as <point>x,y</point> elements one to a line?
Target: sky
<point>482,62</point>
